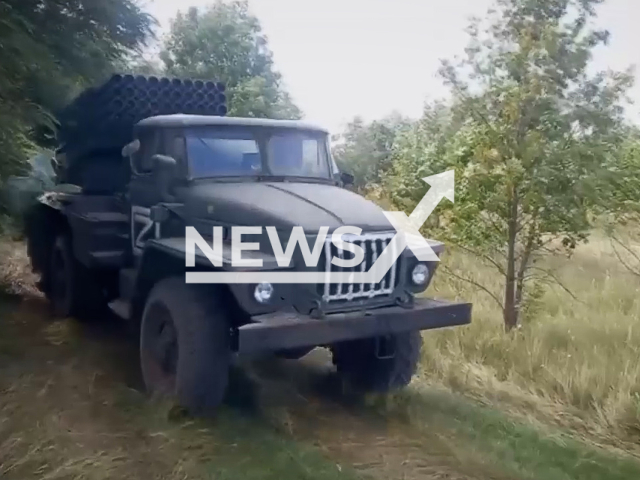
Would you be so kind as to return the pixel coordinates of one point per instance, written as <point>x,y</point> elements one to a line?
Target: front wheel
<point>185,345</point>
<point>379,365</point>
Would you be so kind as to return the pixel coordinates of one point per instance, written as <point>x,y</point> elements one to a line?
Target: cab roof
<point>181,120</point>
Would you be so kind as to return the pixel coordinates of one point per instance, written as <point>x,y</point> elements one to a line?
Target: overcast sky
<point>342,58</point>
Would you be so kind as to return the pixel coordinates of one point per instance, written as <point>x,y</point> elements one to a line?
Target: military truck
<point>112,235</point>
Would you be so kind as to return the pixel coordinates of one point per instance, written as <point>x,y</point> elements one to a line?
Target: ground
<point>72,407</point>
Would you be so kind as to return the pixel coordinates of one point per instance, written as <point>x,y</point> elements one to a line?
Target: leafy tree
<point>622,181</point>
<point>622,217</point>
<point>142,64</point>
<point>225,42</point>
<point>49,50</point>
<point>365,150</point>
<point>419,151</point>
<point>534,135</point>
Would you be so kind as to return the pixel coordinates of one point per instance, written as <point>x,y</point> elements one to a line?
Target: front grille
<point>373,246</point>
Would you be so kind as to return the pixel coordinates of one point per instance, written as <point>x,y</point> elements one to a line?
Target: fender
<point>58,200</point>
<point>177,247</point>
<point>165,257</point>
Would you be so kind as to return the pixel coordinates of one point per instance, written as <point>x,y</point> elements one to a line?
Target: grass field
<point>576,363</point>
<point>556,400</point>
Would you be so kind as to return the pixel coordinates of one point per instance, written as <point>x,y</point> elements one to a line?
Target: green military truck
<point>141,161</point>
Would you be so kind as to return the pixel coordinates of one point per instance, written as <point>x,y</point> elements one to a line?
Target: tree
<point>225,42</point>
<point>622,191</point>
<point>365,150</point>
<point>533,138</point>
<point>49,51</point>
<point>420,150</point>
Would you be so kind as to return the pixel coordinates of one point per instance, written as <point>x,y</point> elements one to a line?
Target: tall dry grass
<point>575,359</point>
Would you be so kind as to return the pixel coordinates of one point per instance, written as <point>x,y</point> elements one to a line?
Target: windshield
<point>252,152</point>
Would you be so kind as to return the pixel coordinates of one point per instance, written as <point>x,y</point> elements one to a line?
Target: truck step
<point>121,308</point>
<point>110,258</point>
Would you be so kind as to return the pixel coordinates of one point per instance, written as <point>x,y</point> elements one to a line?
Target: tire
<point>185,349</point>
<point>71,288</point>
<point>358,363</point>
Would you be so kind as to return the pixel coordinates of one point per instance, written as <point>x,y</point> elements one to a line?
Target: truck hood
<point>283,205</point>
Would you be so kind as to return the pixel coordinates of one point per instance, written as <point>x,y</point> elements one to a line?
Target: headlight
<point>420,275</point>
<point>263,293</point>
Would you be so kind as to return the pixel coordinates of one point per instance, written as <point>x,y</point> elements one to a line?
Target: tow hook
<point>405,301</point>
<point>316,312</point>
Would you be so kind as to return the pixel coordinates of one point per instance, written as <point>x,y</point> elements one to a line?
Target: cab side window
<point>176,147</point>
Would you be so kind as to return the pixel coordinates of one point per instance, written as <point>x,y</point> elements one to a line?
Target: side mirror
<point>131,148</point>
<point>164,171</point>
<point>347,179</point>
<point>129,151</point>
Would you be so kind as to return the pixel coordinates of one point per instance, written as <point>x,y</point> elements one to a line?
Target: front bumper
<point>289,330</point>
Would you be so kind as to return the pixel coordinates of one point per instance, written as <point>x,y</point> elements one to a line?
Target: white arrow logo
<point>442,186</point>
<point>408,228</point>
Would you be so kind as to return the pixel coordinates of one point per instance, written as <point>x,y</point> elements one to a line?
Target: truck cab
<point>210,171</point>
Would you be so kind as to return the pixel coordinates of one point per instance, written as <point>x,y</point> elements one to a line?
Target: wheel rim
<point>159,353</point>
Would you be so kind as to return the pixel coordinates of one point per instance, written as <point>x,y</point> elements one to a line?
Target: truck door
<point>143,193</point>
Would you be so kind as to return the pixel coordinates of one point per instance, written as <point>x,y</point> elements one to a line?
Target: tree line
<point>51,50</point>
<point>540,144</point>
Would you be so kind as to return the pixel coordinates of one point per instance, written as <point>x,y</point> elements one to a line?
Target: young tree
<point>535,135</point>
<point>225,42</point>
<point>365,150</point>
<point>419,150</point>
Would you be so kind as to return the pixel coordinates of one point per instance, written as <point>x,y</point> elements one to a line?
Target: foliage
<point>532,138</point>
<point>142,64</point>
<point>49,50</point>
<point>622,181</point>
<point>365,150</point>
<point>420,151</point>
<point>622,190</point>
<point>225,42</point>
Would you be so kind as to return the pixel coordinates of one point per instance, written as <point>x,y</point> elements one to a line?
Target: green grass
<point>233,446</point>
<point>65,413</point>
<point>518,447</point>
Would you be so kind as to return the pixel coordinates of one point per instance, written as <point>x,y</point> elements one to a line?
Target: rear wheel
<point>71,288</point>
<point>185,345</point>
<point>379,365</point>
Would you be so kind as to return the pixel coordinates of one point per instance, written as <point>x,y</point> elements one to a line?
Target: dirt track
<point>68,389</point>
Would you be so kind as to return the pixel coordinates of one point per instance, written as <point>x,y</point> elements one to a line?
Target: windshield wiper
<point>293,178</point>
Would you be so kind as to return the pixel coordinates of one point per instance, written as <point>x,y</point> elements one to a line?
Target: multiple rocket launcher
<point>103,117</point>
